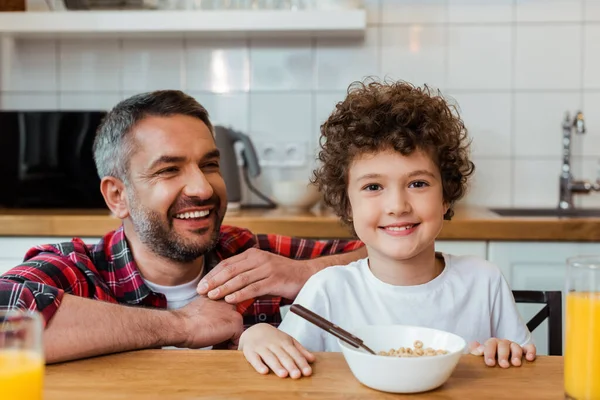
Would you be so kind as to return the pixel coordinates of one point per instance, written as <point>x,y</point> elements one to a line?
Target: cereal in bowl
<point>418,351</point>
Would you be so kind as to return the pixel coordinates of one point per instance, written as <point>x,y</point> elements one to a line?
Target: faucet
<point>568,185</point>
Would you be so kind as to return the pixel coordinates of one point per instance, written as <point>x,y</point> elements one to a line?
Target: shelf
<point>184,23</point>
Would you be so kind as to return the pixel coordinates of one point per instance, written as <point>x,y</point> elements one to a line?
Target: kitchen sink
<point>547,212</point>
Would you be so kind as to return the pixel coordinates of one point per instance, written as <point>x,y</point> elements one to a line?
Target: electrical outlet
<point>268,154</point>
<point>294,154</point>
<point>285,154</point>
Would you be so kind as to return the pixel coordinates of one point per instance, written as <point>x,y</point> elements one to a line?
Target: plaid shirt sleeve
<point>39,283</point>
<point>303,249</point>
<point>266,309</point>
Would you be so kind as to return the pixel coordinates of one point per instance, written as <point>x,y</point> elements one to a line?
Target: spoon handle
<point>328,326</point>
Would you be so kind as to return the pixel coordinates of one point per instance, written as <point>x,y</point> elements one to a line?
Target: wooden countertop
<point>225,374</point>
<point>469,223</point>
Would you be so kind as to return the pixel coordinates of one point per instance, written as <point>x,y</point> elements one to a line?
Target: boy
<point>394,161</point>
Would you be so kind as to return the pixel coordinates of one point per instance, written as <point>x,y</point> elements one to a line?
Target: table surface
<point>223,374</point>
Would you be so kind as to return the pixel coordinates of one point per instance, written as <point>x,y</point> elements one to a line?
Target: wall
<point>514,67</point>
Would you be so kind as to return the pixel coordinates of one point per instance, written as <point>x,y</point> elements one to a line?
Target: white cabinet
<point>537,266</point>
<point>13,249</point>
<point>476,248</point>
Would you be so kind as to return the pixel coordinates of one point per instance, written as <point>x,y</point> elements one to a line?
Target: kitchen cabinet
<point>476,248</point>
<point>13,249</point>
<point>537,266</point>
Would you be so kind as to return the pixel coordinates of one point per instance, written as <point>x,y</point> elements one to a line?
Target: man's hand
<point>504,349</point>
<point>255,273</point>
<point>204,322</point>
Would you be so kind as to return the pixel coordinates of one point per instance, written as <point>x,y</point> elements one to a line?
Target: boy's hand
<point>264,344</point>
<point>505,350</point>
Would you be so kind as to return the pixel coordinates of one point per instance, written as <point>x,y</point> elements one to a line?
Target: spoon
<point>329,327</point>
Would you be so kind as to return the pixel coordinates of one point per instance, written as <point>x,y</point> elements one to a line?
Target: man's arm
<point>337,259</point>
<point>275,265</point>
<point>77,327</point>
<point>84,328</point>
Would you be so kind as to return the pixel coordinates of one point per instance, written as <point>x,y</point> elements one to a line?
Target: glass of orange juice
<point>21,355</point>
<point>582,333</point>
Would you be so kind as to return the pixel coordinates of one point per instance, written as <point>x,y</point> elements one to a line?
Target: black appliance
<point>46,159</point>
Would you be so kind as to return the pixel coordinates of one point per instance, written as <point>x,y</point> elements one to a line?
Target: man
<point>159,169</point>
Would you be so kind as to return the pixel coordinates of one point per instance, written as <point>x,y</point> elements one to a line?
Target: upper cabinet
<point>185,23</point>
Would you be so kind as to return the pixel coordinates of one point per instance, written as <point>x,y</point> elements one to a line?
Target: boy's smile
<point>400,229</point>
<point>397,205</point>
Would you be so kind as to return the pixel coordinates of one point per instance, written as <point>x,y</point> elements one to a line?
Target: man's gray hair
<point>113,145</point>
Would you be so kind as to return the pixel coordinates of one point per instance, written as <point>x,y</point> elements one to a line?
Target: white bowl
<point>295,194</point>
<point>403,374</point>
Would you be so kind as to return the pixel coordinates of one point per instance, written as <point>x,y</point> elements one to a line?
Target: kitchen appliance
<point>226,140</point>
<point>46,159</point>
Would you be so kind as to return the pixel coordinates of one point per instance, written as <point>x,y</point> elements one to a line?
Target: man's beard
<point>160,237</point>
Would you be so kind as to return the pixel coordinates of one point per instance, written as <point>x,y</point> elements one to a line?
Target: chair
<point>551,310</point>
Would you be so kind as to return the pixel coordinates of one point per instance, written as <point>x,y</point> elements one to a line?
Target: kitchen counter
<point>469,223</point>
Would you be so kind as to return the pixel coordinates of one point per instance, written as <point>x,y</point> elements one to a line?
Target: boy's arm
<point>313,296</point>
<point>287,350</point>
<point>511,340</point>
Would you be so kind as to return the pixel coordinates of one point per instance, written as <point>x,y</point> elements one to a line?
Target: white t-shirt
<point>469,298</point>
<point>177,297</point>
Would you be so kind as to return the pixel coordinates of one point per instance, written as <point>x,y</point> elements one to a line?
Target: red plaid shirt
<point>107,271</point>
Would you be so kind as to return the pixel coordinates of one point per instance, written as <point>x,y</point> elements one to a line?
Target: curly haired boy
<point>394,161</point>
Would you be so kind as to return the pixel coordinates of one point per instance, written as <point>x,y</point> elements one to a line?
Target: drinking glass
<point>582,334</point>
<point>21,355</point>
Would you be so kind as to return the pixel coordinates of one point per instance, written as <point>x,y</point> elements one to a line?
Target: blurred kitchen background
<point>515,67</point>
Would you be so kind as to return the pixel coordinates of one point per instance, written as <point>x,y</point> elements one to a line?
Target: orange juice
<point>21,375</point>
<point>582,347</point>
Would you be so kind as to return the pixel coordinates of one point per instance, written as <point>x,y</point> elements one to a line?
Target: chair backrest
<point>552,310</point>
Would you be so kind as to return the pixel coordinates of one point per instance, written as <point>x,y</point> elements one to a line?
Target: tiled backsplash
<point>513,66</point>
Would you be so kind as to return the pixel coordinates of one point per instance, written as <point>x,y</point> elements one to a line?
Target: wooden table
<point>198,374</point>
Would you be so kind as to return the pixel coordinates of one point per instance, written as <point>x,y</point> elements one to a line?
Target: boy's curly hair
<point>379,116</point>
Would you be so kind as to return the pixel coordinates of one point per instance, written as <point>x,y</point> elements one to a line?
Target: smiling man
<point>171,275</point>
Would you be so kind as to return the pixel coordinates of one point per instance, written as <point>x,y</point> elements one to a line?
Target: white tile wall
<point>87,101</point>
<point>220,66</point>
<point>228,109</point>
<point>281,65</point>
<point>33,69</point>
<point>513,66</point>
<point>152,64</point>
<point>28,101</point>
<point>360,58</point>
<point>492,182</point>
<point>548,56</point>
<point>591,55</point>
<point>415,53</point>
<point>281,117</point>
<point>591,10</point>
<point>480,11</point>
<point>549,10</point>
<point>90,66</point>
<point>590,141</point>
<point>489,126</point>
<point>538,122</point>
<point>535,182</point>
<point>414,11</point>
<point>480,57</point>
